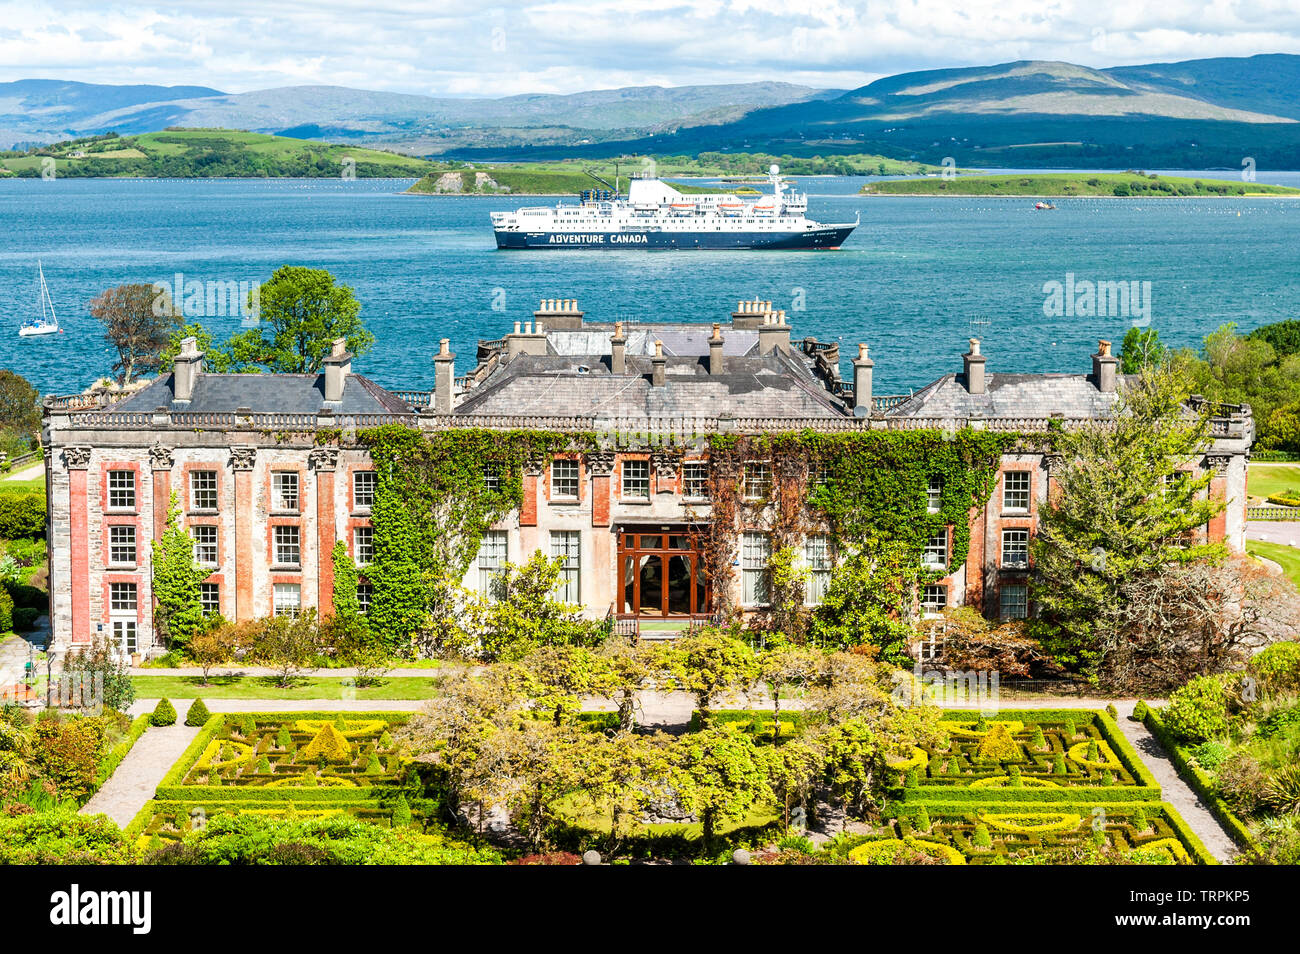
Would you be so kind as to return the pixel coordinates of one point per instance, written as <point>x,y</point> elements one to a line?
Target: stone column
<point>77,460</point>
<point>601,468</point>
<point>323,461</point>
<point>242,460</point>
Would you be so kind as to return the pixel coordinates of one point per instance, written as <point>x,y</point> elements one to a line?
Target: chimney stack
<point>974,364</point>
<point>561,314</point>
<point>338,365</point>
<point>618,350</point>
<point>658,364</point>
<point>444,374</point>
<point>1104,367</point>
<point>773,333</point>
<point>716,361</point>
<point>526,341</point>
<point>749,315</point>
<point>862,366</point>
<point>188,366</point>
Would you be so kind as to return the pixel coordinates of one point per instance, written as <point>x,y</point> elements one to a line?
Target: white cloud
<point>459,47</point>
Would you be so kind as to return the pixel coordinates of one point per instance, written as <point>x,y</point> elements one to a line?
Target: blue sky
<point>458,47</point>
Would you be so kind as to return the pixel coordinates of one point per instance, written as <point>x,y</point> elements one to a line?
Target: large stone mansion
<point>265,502</point>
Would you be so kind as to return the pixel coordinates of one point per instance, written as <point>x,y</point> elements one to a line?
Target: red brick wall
<point>528,512</point>
<point>244,518</point>
<point>325,540</point>
<point>80,544</point>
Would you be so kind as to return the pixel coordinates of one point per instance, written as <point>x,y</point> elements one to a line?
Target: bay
<point>915,280</point>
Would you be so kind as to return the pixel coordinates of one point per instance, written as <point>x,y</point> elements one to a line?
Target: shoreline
<point>1040,195</point>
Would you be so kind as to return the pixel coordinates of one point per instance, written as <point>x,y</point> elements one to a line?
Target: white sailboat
<point>48,322</point>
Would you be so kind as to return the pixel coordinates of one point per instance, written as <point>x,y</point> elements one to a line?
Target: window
<point>564,478</point>
<point>758,480</point>
<point>568,544</point>
<point>1015,490</point>
<point>819,475</point>
<point>695,480</point>
<point>817,553</point>
<point>755,551</point>
<point>363,545</point>
<point>288,599</point>
<point>936,550</point>
<point>932,640</point>
<point>288,551</point>
<point>364,483</point>
<point>934,495</point>
<point>934,598</point>
<point>1014,600</point>
<point>121,597</point>
<point>121,489</point>
<point>284,491</point>
<point>636,478</point>
<point>121,545</point>
<point>1015,548</point>
<point>126,636</point>
<point>205,544</point>
<point>491,478</point>
<point>491,562</point>
<point>210,597</point>
<point>365,594</point>
<point>203,490</point>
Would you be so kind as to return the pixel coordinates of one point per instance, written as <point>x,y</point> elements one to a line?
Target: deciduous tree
<point>134,327</point>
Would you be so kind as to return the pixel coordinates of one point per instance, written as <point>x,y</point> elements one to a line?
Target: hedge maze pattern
<point>302,765</point>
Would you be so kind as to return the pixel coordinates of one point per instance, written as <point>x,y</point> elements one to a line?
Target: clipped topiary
<point>385,740</point>
<point>1111,710</point>
<point>264,764</point>
<point>981,838</point>
<point>283,739</point>
<point>329,744</point>
<point>1094,753</point>
<point>1058,764</point>
<point>1139,711</point>
<point>164,713</point>
<point>373,767</point>
<point>401,812</point>
<point>198,713</point>
<point>913,779</point>
<point>998,745</point>
<point>1140,820</point>
<point>1038,741</point>
<point>921,819</point>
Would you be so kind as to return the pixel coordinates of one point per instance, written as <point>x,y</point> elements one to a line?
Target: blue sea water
<point>917,278</point>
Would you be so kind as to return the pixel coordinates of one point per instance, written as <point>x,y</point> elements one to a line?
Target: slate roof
<point>266,394</point>
<point>774,385</point>
<point>1010,395</point>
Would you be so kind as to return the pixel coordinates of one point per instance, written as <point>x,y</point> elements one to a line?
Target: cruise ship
<point>655,215</point>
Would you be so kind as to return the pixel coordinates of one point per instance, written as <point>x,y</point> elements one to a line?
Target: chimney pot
<point>658,366</point>
<point>862,373</point>
<point>974,367</point>
<point>1105,367</point>
<point>186,369</point>
<point>716,360</point>
<point>618,350</point>
<point>444,375</point>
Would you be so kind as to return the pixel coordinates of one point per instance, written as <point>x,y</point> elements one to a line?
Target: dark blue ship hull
<point>831,236</point>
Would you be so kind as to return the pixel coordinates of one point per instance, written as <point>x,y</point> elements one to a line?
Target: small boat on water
<point>48,322</point>
<point>1041,206</point>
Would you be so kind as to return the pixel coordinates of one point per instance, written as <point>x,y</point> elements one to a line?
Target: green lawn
<point>1264,480</point>
<point>262,687</point>
<point>1286,557</point>
<point>34,486</point>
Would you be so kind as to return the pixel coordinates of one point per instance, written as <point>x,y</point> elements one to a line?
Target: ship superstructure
<point>654,214</point>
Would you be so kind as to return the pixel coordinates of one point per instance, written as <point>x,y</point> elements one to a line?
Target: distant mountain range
<point>1196,114</point>
<point>52,110</point>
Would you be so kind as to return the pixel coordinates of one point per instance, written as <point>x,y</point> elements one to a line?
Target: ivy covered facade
<point>670,467</point>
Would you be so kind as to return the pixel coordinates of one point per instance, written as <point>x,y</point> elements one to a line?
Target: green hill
<point>203,153</point>
<point>1082,184</point>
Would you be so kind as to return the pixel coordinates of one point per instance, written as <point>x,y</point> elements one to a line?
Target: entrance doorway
<point>661,573</point>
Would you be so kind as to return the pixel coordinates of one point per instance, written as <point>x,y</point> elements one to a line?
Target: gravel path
<point>135,780</point>
<point>1174,790</point>
<point>1286,532</point>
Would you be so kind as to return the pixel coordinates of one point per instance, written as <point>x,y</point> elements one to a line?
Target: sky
<point>466,48</point>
